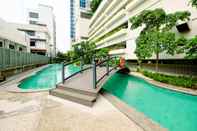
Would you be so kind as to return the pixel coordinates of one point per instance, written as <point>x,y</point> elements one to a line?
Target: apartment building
<point>80,15</point>
<point>39,38</point>
<point>44,17</point>
<point>11,38</point>
<point>110,26</point>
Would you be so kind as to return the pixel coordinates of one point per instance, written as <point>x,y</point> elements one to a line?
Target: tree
<point>189,47</point>
<point>95,4</point>
<point>155,36</point>
<point>158,20</point>
<point>102,53</point>
<point>86,50</point>
<point>193,3</point>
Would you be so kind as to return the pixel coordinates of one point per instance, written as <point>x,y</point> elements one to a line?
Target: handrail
<point>105,74</point>
<point>71,62</point>
<point>95,81</point>
<point>93,66</point>
<point>68,63</point>
<point>77,73</point>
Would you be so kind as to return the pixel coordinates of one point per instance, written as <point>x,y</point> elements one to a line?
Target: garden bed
<point>182,81</point>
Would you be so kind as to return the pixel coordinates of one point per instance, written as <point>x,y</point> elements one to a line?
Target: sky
<point>15,12</point>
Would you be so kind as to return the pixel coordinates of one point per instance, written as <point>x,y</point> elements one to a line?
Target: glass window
<point>1,43</point>
<point>11,47</point>
<point>31,33</point>
<point>33,15</point>
<point>32,22</point>
<point>20,49</point>
<point>32,43</point>
<point>83,3</point>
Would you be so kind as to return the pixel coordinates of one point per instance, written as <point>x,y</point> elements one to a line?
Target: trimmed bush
<point>183,81</point>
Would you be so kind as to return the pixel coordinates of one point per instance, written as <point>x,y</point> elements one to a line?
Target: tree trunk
<point>139,65</point>
<point>157,61</point>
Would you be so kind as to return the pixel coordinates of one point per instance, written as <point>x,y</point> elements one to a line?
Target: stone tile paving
<point>41,112</point>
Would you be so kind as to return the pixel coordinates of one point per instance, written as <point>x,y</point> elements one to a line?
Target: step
<point>74,96</point>
<point>81,91</point>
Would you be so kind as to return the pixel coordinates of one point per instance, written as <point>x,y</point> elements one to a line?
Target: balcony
<point>100,10</point>
<point>114,39</point>
<point>114,8</point>
<point>117,52</point>
<point>133,5</point>
<point>114,24</point>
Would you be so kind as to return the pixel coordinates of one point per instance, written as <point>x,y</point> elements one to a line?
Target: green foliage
<point>191,48</point>
<point>158,20</point>
<point>61,57</point>
<point>86,50</point>
<point>155,42</point>
<point>183,81</point>
<point>155,36</point>
<point>188,46</point>
<point>193,3</point>
<point>102,53</point>
<point>95,4</point>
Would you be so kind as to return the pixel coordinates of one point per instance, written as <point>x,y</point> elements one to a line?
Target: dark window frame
<point>31,33</point>
<point>31,43</point>
<point>1,43</point>
<point>33,22</point>
<point>11,46</point>
<point>33,15</point>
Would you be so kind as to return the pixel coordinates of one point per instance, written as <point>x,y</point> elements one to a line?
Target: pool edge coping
<point>132,114</point>
<point>12,85</point>
<point>165,85</point>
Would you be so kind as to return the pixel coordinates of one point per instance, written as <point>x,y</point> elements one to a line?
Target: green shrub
<point>188,82</point>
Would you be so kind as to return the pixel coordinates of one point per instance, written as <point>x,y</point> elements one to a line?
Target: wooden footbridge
<point>83,86</point>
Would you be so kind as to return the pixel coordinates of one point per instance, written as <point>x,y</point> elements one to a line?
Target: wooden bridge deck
<point>80,89</point>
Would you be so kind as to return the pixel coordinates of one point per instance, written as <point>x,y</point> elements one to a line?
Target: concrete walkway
<point>42,112</point>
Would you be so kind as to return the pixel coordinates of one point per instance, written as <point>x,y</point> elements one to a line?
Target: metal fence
<point>11,58</point>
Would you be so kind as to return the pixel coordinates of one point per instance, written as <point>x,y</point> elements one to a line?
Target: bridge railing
<point>94,65</point>
<point>106,63</point>
<point>82,68</point>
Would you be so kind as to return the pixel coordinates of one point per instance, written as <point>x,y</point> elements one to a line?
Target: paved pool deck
<point>42,112</point>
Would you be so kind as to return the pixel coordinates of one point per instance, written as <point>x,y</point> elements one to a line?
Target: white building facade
<point>80,15</point>
<point>110,26</point>
<point>44,17</point>
<point>39,38</point>
<point>11,38</point>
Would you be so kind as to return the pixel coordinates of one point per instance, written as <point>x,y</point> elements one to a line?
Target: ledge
<point>11,85</point>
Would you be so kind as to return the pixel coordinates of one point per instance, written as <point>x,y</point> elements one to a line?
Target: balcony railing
<point>114,9</point>
<point>115,35</point>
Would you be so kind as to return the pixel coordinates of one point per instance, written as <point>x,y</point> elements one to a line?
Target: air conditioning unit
<point>183,27</point>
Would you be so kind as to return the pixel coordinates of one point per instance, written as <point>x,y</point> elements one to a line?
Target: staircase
<point>86,98</point>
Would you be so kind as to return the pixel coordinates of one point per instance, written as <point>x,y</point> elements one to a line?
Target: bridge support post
<point>94,73</point>
<point>63,73</point>
<point>107,66</point>
<point>81,64</point>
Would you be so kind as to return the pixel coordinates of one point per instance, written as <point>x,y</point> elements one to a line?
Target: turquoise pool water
<point>172,110</point>
<point>48,77</point>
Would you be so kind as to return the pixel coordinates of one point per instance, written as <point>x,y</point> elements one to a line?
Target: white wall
<point>46,16</point>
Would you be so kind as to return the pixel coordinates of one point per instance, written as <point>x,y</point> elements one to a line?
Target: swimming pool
<point>48,77</point>
<point>172,110</point>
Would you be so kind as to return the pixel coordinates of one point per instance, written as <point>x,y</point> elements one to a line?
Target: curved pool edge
<point>139,118</point>
<point>164,85</point>
<point>13,85</point>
